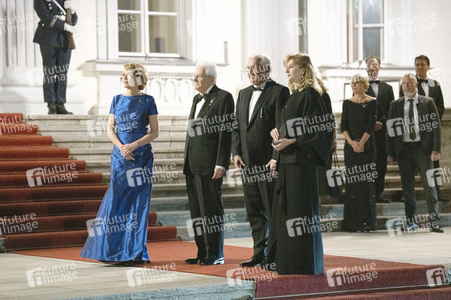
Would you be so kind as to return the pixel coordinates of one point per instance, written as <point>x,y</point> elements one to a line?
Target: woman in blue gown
<point>119,232</point>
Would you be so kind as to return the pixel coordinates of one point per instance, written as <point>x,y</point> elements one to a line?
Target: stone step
<point>165,131</point>
<point>180,203</point>
<point>234,229</point>
<point>179,190</point>
<point>75,120</point>
<point>85,141</point>
<point>104,154</point>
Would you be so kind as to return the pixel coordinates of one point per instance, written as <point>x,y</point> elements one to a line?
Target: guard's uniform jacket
<point>50,31</point>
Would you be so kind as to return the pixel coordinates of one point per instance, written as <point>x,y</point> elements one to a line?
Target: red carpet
<point>388,278</point>
<point>48,212</point>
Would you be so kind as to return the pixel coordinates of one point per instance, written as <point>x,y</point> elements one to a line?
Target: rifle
<point>70,36</point>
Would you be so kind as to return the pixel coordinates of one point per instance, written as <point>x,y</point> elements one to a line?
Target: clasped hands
<point>127,150</point>
<point>357,147</point>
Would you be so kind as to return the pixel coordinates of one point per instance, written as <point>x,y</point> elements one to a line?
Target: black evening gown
<point>295,232</point>
<point>360,203</point>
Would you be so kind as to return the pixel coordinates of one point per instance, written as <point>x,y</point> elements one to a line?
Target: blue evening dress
<point>119,232</point>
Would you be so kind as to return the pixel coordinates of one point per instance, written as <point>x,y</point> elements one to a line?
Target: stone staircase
<point>86,138</point>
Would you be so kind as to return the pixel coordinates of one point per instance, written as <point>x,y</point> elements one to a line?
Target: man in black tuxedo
<point>258,107</point>
<point>207,157</point>
<point>413,140</point>
<point>430,88</point>
<point>383,93</point>
<point>52,37</point>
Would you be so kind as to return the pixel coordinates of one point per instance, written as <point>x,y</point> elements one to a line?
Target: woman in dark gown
<point>357,125</point>
<point>295,235</point>
<point>119,232</point>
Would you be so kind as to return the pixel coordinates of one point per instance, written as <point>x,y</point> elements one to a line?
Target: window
<point>366,29</point>
<point>148,27</point>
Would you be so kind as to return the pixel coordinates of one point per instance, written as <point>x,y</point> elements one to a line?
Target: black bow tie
<point>254,88</point>
<point>374,81</point>
<point>422,80</point>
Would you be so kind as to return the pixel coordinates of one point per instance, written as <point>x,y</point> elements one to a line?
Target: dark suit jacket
<point>429,139</point>
<point>209,137</point>
<point>435,92</point>
<point>251,139</point>
<point>50,31</point>
<point>312,143</point>
<point>384,97</point>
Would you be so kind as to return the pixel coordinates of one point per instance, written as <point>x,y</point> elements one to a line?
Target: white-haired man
<point>257,111</point>
<point>207,157</point>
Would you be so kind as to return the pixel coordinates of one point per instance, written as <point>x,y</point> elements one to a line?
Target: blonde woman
<point>300,145</point>
<point>119,233</point>
<point>357,125</point>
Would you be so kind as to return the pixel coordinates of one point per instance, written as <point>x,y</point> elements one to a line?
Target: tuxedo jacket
<point>50,31</point>
<point>429,139</point>
<point>305,105</point>
<point>384,97</point>
<point>435,92</point>
<point>209,136</point>
<point>251,139</point>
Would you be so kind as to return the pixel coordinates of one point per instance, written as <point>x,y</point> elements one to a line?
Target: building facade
<point>170,36</point>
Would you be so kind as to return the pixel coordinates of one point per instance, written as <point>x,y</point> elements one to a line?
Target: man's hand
<point>69,28</point>
<point>281,144</point>
<point>390,161</point>
<point>274,134</point>
<point>68,5</point>
<point>219,172</point>
<point>272,167</point>
<point>238,162</point>
<point>435,155</point>
<point>378,126</point>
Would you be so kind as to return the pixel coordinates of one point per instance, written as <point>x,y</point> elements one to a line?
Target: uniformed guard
<point>53,35</point>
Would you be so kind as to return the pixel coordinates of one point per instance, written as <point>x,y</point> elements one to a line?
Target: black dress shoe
<point>438,229</point>
<point>254,261</point>
<point>61,110</point>
<point>193,261</point>
<point>209,261</point>
<point>52,108</point>
<point>442,199</point>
